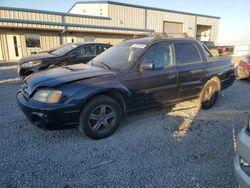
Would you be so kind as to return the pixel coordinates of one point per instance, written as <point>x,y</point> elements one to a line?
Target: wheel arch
<point>116,94</point>
<point>115,90</point>
<point>215,78</point>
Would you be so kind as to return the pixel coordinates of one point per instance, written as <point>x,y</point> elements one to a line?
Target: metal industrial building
<point>27,31</point>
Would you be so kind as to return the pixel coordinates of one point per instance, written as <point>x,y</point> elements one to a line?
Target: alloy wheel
<point>102,118</point>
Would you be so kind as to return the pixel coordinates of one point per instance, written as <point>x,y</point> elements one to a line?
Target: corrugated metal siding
<point>48,40</point>
<point>29,16</point>
<point>103,38</point>
<point>127,16</point>
<point>1,53</point>
<point>111,31</point>
<point>30,26</point>
<point>155,21</point>
<point>86,21</point>
<point>110,39</point>
<point>96,9</point>
<point>122,16</point>
<point>5,53</point>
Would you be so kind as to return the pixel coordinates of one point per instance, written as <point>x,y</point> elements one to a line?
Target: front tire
<point>209,94</point>
<point>100,117</point>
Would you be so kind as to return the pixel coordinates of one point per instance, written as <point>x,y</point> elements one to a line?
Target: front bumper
<point>242,173</point>
<point>49,116</point>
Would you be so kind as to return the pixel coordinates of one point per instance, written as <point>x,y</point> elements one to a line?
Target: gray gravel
<point>178,147</point>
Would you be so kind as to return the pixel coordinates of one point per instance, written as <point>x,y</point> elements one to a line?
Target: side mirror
<point>147,65</point>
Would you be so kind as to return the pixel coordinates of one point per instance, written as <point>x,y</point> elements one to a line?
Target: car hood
<point>36,57</point>
<point>62,75</point>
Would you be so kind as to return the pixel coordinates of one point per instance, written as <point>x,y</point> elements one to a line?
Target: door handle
<point>171,75</point>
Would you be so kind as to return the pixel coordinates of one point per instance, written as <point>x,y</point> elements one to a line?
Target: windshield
<point>64,50</point>
<point>119,57</point>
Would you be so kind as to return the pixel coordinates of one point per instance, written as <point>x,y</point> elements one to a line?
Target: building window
<point>32,40</point>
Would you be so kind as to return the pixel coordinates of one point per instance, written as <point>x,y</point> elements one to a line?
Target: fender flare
<point>85,94</point>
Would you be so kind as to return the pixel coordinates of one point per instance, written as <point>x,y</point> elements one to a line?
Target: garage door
<point>172,27</point>
<point>204,32</point>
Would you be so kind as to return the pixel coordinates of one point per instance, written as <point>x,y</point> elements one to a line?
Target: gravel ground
<point>178,147</point>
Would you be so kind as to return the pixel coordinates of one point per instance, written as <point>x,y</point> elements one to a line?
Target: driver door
<point>158,85</point>
<point>82,55</point>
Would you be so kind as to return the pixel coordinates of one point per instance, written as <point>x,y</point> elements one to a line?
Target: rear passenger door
<point>191,69</point>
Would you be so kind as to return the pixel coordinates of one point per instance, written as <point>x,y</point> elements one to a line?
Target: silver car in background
<point>242,158</point>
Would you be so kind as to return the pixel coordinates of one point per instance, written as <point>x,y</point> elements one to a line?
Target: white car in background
<point>242,159</point>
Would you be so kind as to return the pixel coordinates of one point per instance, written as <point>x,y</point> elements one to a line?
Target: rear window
<point>186,53</point>
<point>207,51</point>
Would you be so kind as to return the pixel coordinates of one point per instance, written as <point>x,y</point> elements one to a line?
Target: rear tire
<point>209,94</point>
<point>100,117</point>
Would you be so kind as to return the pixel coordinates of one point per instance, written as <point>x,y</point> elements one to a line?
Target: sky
<point>234,25</point>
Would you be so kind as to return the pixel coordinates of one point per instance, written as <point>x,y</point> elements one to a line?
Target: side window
<point>207,51</point>
<point>101,48</point>
<point>85,51</point>
<point>161,56</point>
<point>186,53</point>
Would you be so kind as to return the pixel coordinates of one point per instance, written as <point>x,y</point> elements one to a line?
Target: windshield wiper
<point>93,63</point>
<point>97,64</point>
<point>105,65</point>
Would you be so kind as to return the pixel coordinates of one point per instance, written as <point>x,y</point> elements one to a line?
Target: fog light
<point>243,162</point>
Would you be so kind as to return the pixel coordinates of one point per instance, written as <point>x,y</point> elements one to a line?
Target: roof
<point>142,7</point>
<point>86,43</point>
<point>150,40</point>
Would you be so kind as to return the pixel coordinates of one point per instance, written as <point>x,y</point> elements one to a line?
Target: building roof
<point>142,7</point>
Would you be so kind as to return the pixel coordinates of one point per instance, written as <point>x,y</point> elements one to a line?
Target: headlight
<point>31,64</point>
<point>47,96</point>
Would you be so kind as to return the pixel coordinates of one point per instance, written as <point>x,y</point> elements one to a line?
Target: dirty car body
<point>149,77</point>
